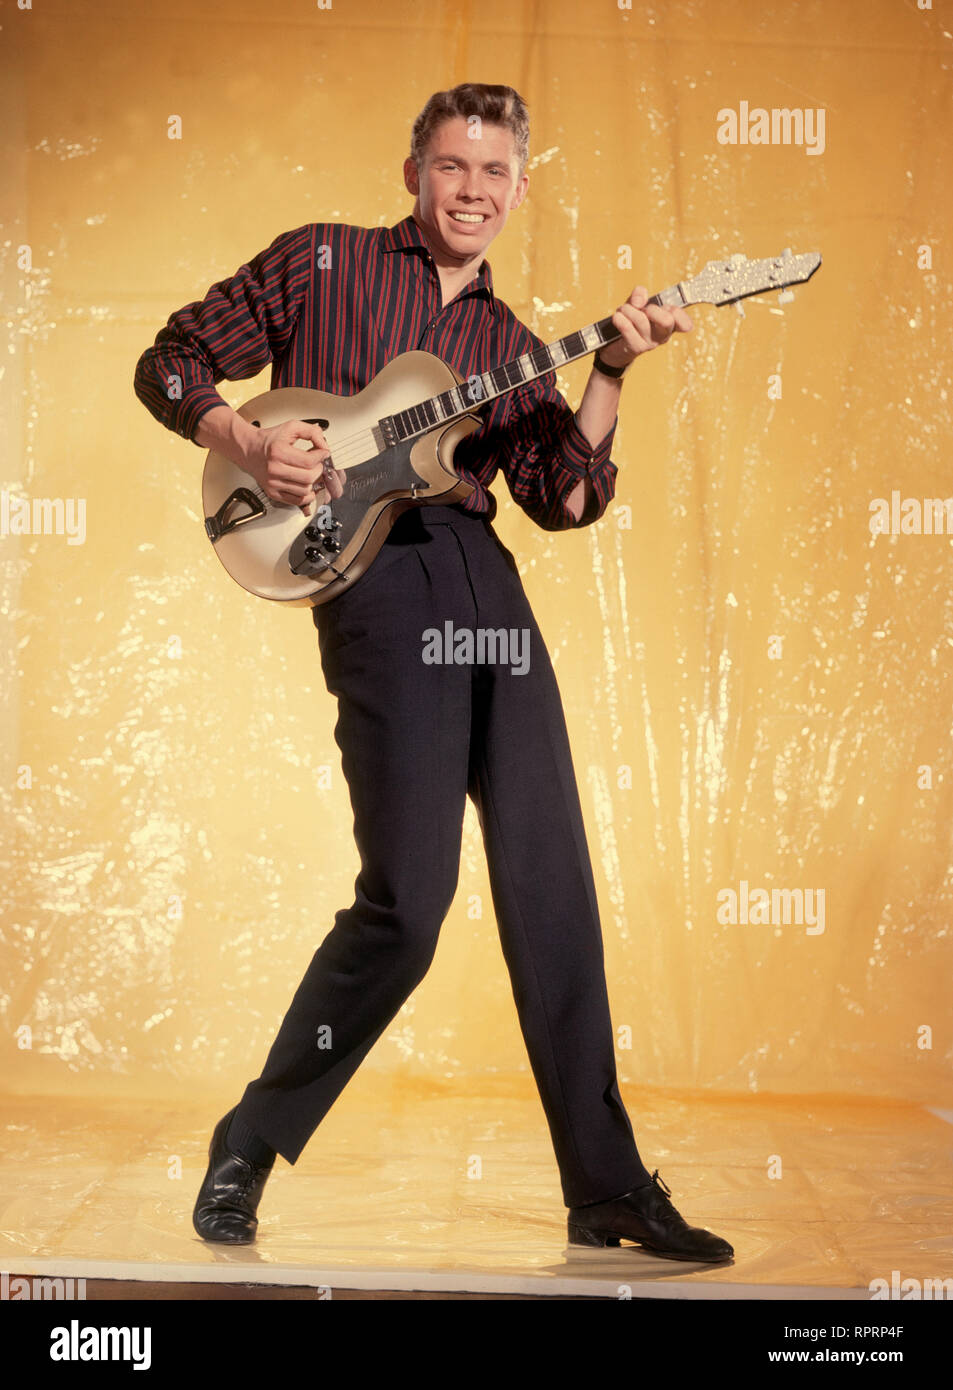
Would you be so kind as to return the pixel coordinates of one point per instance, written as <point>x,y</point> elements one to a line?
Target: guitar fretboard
<point>486,386</point>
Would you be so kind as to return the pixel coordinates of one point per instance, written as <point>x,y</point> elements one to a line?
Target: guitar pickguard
<point>389,473</point>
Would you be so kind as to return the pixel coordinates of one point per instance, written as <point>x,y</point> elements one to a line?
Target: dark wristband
<point>600,366</point>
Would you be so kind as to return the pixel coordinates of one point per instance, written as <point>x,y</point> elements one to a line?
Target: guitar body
<point>380,482</point>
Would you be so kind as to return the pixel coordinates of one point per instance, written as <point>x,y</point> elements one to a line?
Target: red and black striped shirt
<point>329,305</point>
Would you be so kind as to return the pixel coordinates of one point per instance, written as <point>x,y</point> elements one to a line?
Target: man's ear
<point>411,176</point>
<point>520,192</point>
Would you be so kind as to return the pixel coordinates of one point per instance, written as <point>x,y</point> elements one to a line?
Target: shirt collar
<point>407,236</point>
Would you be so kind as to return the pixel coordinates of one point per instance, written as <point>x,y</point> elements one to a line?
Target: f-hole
<point>308,420</point>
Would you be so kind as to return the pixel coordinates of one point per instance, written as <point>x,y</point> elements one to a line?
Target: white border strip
<point>427,1281</point>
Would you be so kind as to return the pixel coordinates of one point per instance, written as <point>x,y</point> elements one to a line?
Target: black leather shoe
<point>646,1216</point>
<point>229,1196</point>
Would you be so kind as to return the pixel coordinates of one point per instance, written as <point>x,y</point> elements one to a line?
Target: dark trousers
<point>416,738</point>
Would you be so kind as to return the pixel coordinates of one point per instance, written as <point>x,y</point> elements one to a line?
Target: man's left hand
<point>643,326</point>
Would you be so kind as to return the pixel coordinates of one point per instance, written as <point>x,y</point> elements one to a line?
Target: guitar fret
<point>510,374</point>
<point>670,298</point>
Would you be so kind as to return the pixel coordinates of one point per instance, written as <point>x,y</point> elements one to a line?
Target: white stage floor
<point>381,1198</point>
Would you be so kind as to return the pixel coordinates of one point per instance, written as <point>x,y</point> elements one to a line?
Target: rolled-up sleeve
<point>241,325</point>
<point>543,454</point>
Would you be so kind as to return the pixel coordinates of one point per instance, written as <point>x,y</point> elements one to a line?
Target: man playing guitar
<point>328,305</point>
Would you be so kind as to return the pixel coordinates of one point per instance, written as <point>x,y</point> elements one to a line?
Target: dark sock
<point>245,1142</point>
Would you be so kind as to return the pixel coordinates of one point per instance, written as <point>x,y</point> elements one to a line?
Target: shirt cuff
<point>581,458</point>
<point>187,413</point>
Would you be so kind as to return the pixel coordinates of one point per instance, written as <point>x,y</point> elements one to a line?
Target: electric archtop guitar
<point>395,440</point>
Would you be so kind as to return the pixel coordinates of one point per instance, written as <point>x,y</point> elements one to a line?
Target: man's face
<point>466,187</point>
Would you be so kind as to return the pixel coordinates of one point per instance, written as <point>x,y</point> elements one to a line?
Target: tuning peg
<point>785,296</point>
<point>739,308</point>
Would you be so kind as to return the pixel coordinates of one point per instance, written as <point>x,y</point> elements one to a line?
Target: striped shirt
<point>328,305</point>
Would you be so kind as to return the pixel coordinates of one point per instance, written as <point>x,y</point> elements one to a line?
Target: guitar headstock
<point>724,282</point>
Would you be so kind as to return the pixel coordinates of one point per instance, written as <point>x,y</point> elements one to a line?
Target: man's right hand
<point>287,471</point>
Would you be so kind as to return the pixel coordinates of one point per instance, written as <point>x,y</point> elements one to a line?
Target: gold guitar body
<point>261,543</point>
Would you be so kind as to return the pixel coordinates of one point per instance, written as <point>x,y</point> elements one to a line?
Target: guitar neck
<point>486,386</point>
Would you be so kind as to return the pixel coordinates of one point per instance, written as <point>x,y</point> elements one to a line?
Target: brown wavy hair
<point>493,104</point>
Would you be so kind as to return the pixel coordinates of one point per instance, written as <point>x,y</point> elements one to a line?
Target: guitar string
<point>353,449</point>
<point>348,449</point>
<point>347,452</point>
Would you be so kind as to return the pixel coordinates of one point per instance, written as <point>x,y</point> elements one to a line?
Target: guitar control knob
<point>312,554</point>
<point>331,543</point>
<point>313,533</point>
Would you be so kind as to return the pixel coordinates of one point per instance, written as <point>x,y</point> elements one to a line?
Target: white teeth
<point>467,216</point>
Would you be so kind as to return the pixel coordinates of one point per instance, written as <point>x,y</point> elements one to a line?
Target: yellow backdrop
<point>758,689</point>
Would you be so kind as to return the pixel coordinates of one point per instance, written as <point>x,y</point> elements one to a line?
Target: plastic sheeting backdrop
<point>757,685</point>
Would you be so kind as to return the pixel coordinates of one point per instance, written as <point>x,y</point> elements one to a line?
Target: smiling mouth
<point>468,218</point>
